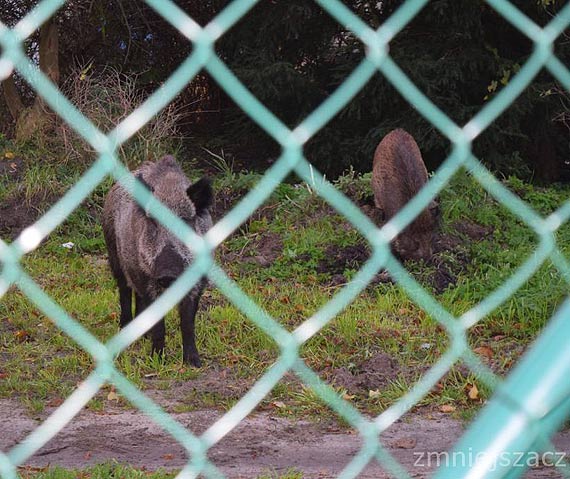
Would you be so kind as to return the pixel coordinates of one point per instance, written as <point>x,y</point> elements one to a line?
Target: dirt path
<point>260,444</point>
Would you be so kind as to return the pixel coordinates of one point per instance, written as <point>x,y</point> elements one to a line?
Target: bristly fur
<point>398,173</point>
<point>143,255</point>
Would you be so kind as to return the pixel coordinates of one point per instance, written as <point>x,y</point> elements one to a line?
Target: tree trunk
<point>49,51</point>
<point>12,97</point>
<point>34,120</point>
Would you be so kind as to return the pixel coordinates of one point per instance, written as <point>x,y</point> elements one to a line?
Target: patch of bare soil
<point>338,259</point>
<point>260,444</point>
<point>220,383</point>
<point>447,271</point>
<point>15,215</point>
<point>372,374</point>
<point>261,249</point>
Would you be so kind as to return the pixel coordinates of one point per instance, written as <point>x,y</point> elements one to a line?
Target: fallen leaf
<point>374,393</point>
<point>279,404</point>
<point>473,392</point>
<point>9,155</point>
<point>484,351</point>
<point>447,408</point>
<point>168,457</point>
<point>87,455</point>
<point>112,396</point>
<point>22,335</point>
<point>405,443</point>
<point>3,375</point>
<point>55,402</point>
<point>348,397</point>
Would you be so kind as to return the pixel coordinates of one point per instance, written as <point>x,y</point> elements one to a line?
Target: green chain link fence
<point>525,410</point>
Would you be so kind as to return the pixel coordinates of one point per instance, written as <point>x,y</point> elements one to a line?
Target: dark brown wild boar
<point>145,257</point>
<point>398,174</point>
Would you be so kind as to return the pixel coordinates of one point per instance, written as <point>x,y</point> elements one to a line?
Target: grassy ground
<point>111,470</point>
<point>291,257</point>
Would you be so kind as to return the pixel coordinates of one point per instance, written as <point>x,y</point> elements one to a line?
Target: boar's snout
<point>168,266</point>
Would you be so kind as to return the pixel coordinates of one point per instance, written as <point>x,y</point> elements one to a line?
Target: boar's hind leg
<point>187,310</point>
<point>158,331</point>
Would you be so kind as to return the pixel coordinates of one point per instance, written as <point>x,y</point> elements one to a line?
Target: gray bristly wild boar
<point>398,174</point>
<point>145,257</point>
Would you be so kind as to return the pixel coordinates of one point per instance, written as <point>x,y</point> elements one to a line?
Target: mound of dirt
<point>340,258</point>
<point>262,250</point>
<point>374,373</point>
<point>16,214</point>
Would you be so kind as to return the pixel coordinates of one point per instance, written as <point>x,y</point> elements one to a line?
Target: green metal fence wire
<point>533,399</point>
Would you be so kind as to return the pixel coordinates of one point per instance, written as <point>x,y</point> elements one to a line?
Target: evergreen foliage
<point>458,52</point>
<point>292,55</point>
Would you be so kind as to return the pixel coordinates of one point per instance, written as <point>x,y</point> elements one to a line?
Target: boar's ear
<point>201,194</point>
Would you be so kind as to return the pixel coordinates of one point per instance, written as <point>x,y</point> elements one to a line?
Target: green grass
<point>114,470</point>
<point>41,365</point>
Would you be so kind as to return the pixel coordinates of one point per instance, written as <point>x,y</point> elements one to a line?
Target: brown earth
<point>15,215</point>
<point>372,374</point>
<point>260,444</point>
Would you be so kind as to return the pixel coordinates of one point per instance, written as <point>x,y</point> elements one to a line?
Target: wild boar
<point>145,257</point>
<point>398,173</point>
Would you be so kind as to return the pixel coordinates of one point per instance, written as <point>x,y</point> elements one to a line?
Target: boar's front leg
<point>187,310</point>
<point>158,331</point>
<point>126,301</point>
<point>138,304</point>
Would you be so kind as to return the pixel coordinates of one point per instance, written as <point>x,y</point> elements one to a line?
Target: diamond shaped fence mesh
<point>526,408</point>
